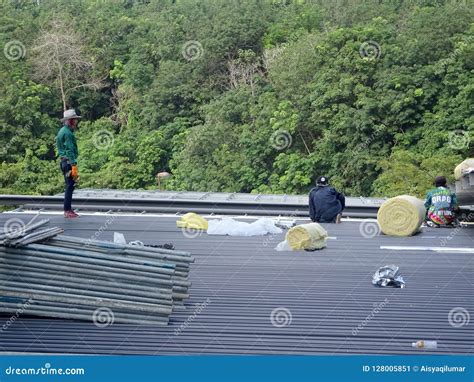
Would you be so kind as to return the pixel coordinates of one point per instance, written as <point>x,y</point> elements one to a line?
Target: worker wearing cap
<point>68,152</point>
<point>441,204</point>
<point>325,203</point>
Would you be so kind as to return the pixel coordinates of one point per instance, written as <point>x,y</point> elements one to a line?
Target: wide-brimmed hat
<point>70,114</point>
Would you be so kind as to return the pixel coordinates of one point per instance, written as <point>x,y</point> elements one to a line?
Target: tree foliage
<point>238,96</point>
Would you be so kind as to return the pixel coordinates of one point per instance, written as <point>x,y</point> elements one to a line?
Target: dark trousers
<point>70,183</point>
<point>320,220</point>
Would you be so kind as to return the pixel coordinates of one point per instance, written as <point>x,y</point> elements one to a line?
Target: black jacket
<point>325,203</point>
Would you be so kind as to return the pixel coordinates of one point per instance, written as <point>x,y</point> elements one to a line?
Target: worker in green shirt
<point>441,204</point>
<point>67,152</point>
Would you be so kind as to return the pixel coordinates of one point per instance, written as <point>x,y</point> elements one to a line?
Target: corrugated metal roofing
<point>322,302</point>
<point>218,197</point>
<point>183,202</point>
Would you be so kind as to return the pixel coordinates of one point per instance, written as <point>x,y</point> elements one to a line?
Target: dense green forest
<point>238,96</point>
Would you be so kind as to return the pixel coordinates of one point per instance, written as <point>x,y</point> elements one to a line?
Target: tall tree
<point>60,59</point>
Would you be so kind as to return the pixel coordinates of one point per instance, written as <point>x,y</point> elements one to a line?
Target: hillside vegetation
<point>238,96</point>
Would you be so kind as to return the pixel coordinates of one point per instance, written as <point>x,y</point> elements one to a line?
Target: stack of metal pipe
<point>21,234</point>
<point>105,282</point>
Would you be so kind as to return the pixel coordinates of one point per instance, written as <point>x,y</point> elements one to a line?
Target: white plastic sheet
<point>229,226</point>
<point>119,238</point>
<point>283,246</point>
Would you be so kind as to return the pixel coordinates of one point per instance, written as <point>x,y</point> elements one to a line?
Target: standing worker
<point>67,151</point>
<point>441,204</point>
<point>325,203</point>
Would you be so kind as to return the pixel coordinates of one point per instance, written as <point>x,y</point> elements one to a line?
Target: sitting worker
<point>441,204</point>
<point>325,203</point>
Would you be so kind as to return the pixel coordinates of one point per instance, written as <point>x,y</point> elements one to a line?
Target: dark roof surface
<point>322,302</point>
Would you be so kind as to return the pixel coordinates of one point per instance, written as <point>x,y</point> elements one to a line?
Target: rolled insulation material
<point>401,215</point>
<point>463,167</point>
<point>192,221</point>
<point>307,236</point>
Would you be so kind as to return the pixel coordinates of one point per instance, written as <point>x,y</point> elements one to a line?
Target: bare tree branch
<point>244,70</point>
<point>60,60</point>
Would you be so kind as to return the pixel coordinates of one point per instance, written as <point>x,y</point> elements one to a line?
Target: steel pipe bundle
<point>18,233</point>
<point>104,282</point>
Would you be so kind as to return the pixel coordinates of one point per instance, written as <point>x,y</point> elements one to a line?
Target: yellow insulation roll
<point>307,236</point>
<point>401,215</point>
<point>462,167</point>
<point>192,221</point>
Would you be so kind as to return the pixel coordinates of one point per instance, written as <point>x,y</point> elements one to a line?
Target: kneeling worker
<point>441,204</point>
<point>325,203</point>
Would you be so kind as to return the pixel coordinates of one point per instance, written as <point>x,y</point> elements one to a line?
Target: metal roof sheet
<point>246,298</point>
<point>281,199</point>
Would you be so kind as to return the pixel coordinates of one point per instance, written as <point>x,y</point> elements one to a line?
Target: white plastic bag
<point>229,226</point>
<point>283,246</point>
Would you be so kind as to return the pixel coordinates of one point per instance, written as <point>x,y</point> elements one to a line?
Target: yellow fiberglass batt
<point>193,221</point>
<point>463,167</point>
<point>401,215</point>
<point>307,236</point>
